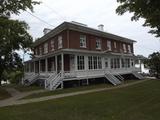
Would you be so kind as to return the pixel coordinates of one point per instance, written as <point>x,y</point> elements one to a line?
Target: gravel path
<point>14,100</point>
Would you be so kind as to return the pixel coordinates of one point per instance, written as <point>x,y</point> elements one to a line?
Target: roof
<point>80,28</point>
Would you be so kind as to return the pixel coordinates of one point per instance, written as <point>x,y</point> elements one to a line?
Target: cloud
<point>92,13</point>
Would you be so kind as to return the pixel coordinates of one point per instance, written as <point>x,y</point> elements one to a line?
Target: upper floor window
<point>36,51</point>
<point>115,45</point>
<point>52,45</point>
<point>98,44</point>
<point>129,48</point>
<point>45,48</point>
<point>124,48</point>
<point>109,45</point>
<point>59,42</point>
<point>83,41</point>
<point>40,50</point>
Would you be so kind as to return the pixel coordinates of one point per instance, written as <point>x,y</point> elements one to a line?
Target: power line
<point>63,18</point>
<point>40,19</point>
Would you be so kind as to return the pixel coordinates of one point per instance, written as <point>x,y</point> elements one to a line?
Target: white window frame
<point>109,45</point>
<point>129,48</point>
<point>115,44</point>
<point>52,45</point>
<point>40,50</point>
<point>98,43</point>
<point>83,41</point>
<point>94,62</point>
<point>124,48</point>
<point>45,48</point>
<point>80,62</point>
<point>60,44</point>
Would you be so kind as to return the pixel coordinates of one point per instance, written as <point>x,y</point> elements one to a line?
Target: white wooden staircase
<point>137,75</point>
<point>53,81</point>
<point>111,78</point>
<point>28,80</point>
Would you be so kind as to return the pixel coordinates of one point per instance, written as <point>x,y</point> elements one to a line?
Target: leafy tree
<point>153,62</point>
<point>13,35</point>
<point>147,9</point>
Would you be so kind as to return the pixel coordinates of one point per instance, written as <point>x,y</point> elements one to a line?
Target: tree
<point>153,62</point>
<point>147,9</point>
<point>13,35</point>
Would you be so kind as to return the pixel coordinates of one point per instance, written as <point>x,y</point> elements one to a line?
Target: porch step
<point>112,79</point>
<point>137,75</point>
<point>53,81</point>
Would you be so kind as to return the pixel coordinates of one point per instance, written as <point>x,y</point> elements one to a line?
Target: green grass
<point>67,90</point>
<point>4,94</point>
<point>26,88</point>
<point>137,102</point>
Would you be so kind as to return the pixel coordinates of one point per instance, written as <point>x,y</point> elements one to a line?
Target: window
<point>99,63</point>
<point>129,48</point>
<point>36,51</point>
<point>98,44</point>
<point>83,41</point>
<point>109,45</point>
<point>115,63</point>
<point>115,45</point>
<point>124,48</point>
<point>40,50</point>
<point>94,62</point>
<point>123,63</point>
<point>59,42</point>
<point>90,62</point>
<point>106,63</point>
<point>45,48</point>
<point>80,62</point>
<point>132,62</point>
<point>52,45</point>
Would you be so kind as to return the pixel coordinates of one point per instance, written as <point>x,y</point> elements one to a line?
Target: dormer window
<point>124,48</point>
<point>52,45</point>
<point>83,41</point>
<point>45,48</point>
<point>109,45</point>
<point>59,42</point>
<point>98,44</point>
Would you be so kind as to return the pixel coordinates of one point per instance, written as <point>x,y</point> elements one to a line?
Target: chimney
<point>101,27</point>
<point>46,30</point>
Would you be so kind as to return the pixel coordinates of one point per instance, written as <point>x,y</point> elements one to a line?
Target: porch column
<point>34,62</point>
<point>29,67</point>
<point>39,66</point>
<point>75,62</point>
<point>86,62</point>
<point>46,65</point>
<point>120,63</point>
<point>103,62</point>
<point>62,66</point>
<point>56,63</point>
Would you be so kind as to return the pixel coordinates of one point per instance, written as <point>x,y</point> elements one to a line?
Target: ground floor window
<point>94,62</point>
<point>125,62</point>
<point>115,63</point>
<point>80,62</point>
<point>106,62</point>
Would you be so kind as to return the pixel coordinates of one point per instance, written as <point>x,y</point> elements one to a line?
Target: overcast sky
<point>92,13</point>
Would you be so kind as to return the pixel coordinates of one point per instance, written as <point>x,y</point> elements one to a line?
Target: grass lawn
<point>4,94</point>
<point>137,102</point>
<point>68,90</point>
<point>26,88</point>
